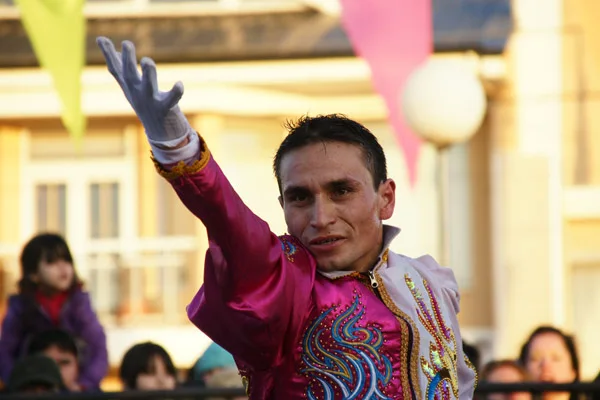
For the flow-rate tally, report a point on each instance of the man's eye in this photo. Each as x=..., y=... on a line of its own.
x=342, y=191
x=297, y=198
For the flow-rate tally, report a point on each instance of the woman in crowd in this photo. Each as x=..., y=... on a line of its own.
x=549, y=355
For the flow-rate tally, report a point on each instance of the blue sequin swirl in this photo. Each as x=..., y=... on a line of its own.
x=345, y=358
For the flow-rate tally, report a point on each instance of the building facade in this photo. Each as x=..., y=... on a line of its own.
x=524, y=203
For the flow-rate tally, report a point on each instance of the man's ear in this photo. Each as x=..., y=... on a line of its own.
x=387, y=199
x=280, y=198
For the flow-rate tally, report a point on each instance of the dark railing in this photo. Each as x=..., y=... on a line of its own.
x=582, y=390
x=589, y=391
x=178, y=394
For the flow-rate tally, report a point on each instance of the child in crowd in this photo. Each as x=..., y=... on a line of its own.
x=147, y=366
x=60, y=346
x=51, y=296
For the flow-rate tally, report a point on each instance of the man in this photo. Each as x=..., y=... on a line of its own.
x=327, y=312
x=60, y=346
x=35, y=374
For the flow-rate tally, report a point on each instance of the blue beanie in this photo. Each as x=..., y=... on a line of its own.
x=214, y=357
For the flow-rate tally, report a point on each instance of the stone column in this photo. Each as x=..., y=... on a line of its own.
x=10, y=175
x=525, y=176
x=10, y=203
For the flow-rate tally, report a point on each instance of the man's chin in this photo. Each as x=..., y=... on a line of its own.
x=329, y=266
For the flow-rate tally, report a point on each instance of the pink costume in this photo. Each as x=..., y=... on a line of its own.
x=297, y=333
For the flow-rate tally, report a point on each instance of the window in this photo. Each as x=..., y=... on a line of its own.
x=104, y=283
x=173, y=219
x=104, y=203
x=92, y=199
x=51, y=208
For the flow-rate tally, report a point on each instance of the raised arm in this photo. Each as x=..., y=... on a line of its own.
x=257, y=286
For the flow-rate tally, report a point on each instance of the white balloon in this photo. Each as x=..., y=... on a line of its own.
x=443, y=102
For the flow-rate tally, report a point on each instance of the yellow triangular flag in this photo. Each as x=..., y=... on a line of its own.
x=56, y=30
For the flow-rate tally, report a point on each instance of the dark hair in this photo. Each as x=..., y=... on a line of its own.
x=53, y=337
x=47, y=247
x=568, y=340
x=472, y=354
x=332, y=128
x=140, y=360
x=490, y=367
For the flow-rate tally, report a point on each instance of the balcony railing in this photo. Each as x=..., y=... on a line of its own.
x=146, y=281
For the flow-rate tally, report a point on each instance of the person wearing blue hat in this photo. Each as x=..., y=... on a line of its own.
x=213, y=360
x=216, y=368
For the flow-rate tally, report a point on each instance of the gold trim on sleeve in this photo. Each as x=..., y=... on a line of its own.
x=181, y=168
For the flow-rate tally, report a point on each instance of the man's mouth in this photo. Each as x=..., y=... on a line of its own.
x=325, y=240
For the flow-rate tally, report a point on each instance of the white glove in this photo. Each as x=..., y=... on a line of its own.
x=158, y=111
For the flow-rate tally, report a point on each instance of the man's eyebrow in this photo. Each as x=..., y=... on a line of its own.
x=294, y=189
x=345, y=182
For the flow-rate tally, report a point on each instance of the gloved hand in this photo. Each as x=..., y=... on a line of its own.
x=158, y=111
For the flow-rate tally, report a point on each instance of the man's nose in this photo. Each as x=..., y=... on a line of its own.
x=323, y=213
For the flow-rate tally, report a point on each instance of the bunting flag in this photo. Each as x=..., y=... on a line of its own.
x=394, y=37
x=56, y=30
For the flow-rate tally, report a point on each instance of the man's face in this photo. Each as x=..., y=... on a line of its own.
x=330, y=204
x=67, y=363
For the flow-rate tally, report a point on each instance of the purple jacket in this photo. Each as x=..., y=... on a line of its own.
x=77, y=317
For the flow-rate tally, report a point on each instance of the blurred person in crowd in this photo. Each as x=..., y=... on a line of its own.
x=298, y=310
x=225, y=378
x=550, y=355
x=34, y=374
x=216, y=368
x=472, y=354
x=505, y=371
x=51, y=296
x=147, y=366
x=214, y=360
x=60, y=346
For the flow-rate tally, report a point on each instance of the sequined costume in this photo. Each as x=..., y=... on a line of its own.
x=297, y=333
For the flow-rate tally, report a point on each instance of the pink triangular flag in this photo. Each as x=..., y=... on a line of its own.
x=393, y=36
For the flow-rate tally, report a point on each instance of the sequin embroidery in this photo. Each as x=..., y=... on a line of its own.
x=343, y=359
x=441, y=367
x=289, y=247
